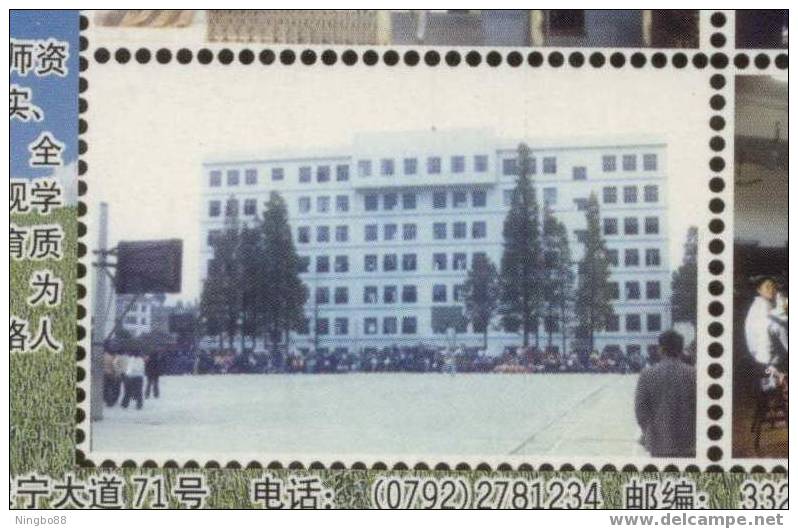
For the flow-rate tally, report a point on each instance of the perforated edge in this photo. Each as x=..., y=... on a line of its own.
x=715, y=56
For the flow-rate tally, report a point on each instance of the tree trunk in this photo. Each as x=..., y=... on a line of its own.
x=485, y=338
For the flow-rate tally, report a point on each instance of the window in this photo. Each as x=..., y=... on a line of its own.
x=652, y=290
x=389, y=201
x=390, y=262
x=651, y=193
x=632, y=290
x=581, y=236
x=653, y=322
x=612, y=257
x=458, y=164
x=386, y=167
x=630, y=226
x=613, y=323
x=342, y=173
x=408, y=201
x=371, y=202
x=458, y=293
x=433, y=165
x=649, y=162
x=303, y=234
x=610, y=226
x=459, y=199
x=439, y=199
x=323, y=173
x=610, y=195
x=439, y=293
x=215, y=179
x=409, y=325
x=304, y=204
x=609, y=163
x=342, y=203
x=370, y=232
x=322, y=295
x=250, y=206
x=613, y=290
x=550, y=196
x=509, y=166
x=631, y=257
x=459, y=261
x=389, y=325
x=322, y=234
x=322, y=204
x=370, y=325
x=342, y=326
x=364, y=168
x=480, y=163
x=629, y=162
x=304, y=264
x=251, y=177
x=409, y=294
x=322, y=326
x=389, y=294
x=579, y=173
x=439, y=261
x=214, y=208
x=389, y=232
x=652, y=257
x=370, y=295
x=507, y=197
x=213, y=236
x=341, y=265
x=231, y=208
x=459, y=230
x=232, y=177
x=652, y=225
x=479, y=230
x=630, y=194
x=370, y=263
x=409, y=262
x=581, y=204
x=409, y=232
x=439, y=230
x=549, y=165
x=304, y=175
x=341, y=295
x=410, y=166
x=633, y=323
x=278, y=174
x=479, y=198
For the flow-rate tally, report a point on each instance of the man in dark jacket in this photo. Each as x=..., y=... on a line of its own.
x=153, y=371
x=665, y=402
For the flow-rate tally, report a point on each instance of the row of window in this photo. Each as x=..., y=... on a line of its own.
x=390, y=262
x=440, y=200
x=609, y=196
x=433, y=165
x=632, y=290
x=232, y=207
x=631, y=226
x=390, y=294
x=609, y=164
x=633, y=323
x=390, y=232
x=631, y=257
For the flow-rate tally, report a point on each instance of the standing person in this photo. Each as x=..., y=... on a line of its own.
x=112, y=379
x=766, y=334
x=152, y=370
x=134, y=380
x=665, y=402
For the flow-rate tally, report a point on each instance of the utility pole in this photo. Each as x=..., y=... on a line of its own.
x=101, y=306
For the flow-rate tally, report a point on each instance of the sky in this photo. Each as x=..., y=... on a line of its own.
x=57, y=96
x=153, y=126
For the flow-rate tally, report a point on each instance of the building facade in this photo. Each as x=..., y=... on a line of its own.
x=388, y=227
x=142, y=314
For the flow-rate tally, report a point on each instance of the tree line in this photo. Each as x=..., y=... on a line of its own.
x=253, y=289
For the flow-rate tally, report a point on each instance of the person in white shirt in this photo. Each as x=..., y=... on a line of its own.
x=134, y=381
x=766, y=331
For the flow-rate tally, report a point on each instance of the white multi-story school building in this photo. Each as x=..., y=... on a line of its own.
x=388, y=227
